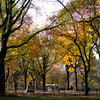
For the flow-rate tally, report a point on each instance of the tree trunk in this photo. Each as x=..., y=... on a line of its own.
x=2, y=70
x=75, y=80
x=67, y=77
x=99, y=55
x=2, y=58
x=36, y=84
x=25, y=77
x=68, y=80
x=86, y=83
x=2, y=77
x=33, y=84
x=44, y=82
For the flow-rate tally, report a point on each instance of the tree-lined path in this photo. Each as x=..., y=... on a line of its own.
x=57, y=56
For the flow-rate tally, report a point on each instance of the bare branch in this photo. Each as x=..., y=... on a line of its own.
x=21, y=21
x=7, y=74
x=22, y=9
x=92, y=19
x=49, y=68
x=66, y=9
x=39, y=63
x=15, y=3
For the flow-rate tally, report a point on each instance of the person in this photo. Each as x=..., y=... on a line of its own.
x=15, y=86
x=58, y=89
x=71, y=88
x=52, y=88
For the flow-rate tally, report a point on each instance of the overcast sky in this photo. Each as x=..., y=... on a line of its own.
x=43, y=10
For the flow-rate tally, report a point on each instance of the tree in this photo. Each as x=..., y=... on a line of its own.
x=46, y=56
x=9, y=16
x=12, y=13
x=68, y=75
x=73, y=64
x=17, y=54
x=81, y=31
x=67, y=47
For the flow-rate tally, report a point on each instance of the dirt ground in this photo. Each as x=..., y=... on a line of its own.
x=54, y=93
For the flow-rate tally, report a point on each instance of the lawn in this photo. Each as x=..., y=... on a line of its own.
x=49, y=98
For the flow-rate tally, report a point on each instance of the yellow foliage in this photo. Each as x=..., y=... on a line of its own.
x=68, y=59
x=71, y=69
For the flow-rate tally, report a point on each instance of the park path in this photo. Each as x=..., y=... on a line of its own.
x=54, y=93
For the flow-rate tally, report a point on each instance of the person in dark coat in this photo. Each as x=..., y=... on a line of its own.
x=15, y=86
x=71, y=89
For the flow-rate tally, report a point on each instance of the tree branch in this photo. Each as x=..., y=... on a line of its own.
x=22, y=9
x=21, y=21
x=66, y=9
x=47, y=28
x=7, y=74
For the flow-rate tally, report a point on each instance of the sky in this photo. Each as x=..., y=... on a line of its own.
x=43, y=10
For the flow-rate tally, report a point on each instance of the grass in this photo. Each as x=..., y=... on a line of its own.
x=49, y=98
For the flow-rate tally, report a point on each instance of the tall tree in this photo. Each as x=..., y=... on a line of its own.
x=9, y=15
x=12, y=13
x=83, y=29
x=68, y=76
x=46, y=56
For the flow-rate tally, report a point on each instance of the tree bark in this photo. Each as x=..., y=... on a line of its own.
x=2, y=67
x=33, y=83
x=2, y=77
x=86, y=84
x=75, y=79
x=2, y=70
x=68, y=80
x=44, y=82
x=67, y=77
x=99, y=55
x=25, y=77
